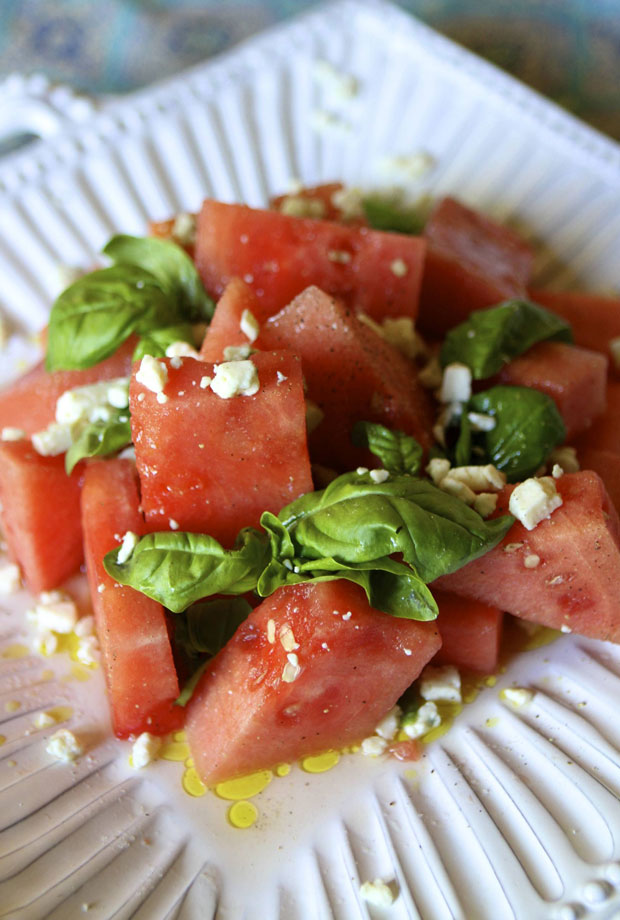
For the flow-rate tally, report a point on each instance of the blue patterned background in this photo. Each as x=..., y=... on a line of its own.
x=567, y=49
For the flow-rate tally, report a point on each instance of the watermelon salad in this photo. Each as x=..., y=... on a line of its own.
x=311, y=458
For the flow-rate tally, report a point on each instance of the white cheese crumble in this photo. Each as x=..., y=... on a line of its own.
x=485, y=503
x=249, y=325
x=144, y=750
x=557, y=472
x=374, y=746
x=389, y=724
x=10, y=578
x=128, y=544
x=63, y=745
x=399, y=268
x=90, y=403
x=280, y=377
x=205, y=382
x=340, y=86
x=516, y=696
x=531, y=561
x=379, y=476
x=481, y=422
x=443, y=683
x=377, y=893
x=45, y=643
x=152, y=374
x=235, y=378
x=181, y=349
x=479, y=478
x=409, y=166
x=85, y=626
x=438, y=468
x=534, y=500
x=302, y=206
x=53, y=440
x=86, y=652
x=44, y=720
x=184, y=229
x=349, y=202
x=455, y=383
x=12, y=434
x=237, y=352
x=424, y=720
x=287, y=638
x=55, y=612
x=291, y=670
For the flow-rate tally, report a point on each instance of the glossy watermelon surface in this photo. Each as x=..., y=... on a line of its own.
x=213, y=465
x=225, y=328
x=470, y=633
x=135, y=649
x=575, y=584
x=354, y=662
x=278, y=256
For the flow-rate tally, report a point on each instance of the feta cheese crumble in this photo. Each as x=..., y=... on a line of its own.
x=152, y=374
x=516, y=696
x=378, y=893
x=237, y=352
x=44, y=720
x=181, y=350
x=235, y=378
x=417, y=724
x=55, y=612
x=184, y=229
x=12, y=434
x=389, y=724
x=534, y=501
x=63, y=745
x=249, y=325
x=442, y=683
x=399, y=268
x=128, y=544
x=455, y=384
x=10, y=578
x=53, y=440
x=144, y=750
x=379, y=476
x=374, y=746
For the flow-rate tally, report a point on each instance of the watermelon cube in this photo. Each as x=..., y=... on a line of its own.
x=472, y=263
x=574, y=378
x=607, y=465
x=212, y=465
x=314, y=667
x=225, y=329
x=595, y=318
x=470, y=633
x=564, y=573
x=351, y=374
x=278, y=256
x=135, y=648
x=40, y=514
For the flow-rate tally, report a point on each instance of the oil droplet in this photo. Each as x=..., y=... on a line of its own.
x=190, y=762
x=244, y=787
x=490, y=681
x=192, y=783
x=283, y=769
x=60, y=713
x=79, y=672
x=242, y=814
x=491, y=723
x=321, y=762
x=411, y=774
x=175, y=750
x=16, y=651
x=12, y=705
x=448, y=712
x=2, y=739
x=179, y=736
x=543, y=636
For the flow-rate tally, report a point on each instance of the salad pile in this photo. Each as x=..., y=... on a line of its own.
x=310, y=454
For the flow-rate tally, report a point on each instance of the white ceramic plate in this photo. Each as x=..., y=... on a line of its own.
x=512, y=814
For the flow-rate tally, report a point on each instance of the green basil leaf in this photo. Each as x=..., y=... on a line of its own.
x=383, y=213
x=172, y=267
x=397, y=451
x=355, y=520
x=490, y=338
x=101, y=438
x=528, y=427
x=206, y=627
x=190, y=685
x=177, y=569
x=157, y=341
x=95, y=314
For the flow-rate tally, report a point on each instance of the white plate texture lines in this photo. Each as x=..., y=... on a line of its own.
x=514, y=813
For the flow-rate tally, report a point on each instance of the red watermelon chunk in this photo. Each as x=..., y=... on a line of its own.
x=470, y=633
x=575, y=585
x=574, y=378
x=213, y=465
x=604, y=434
x=595, y=318
x=244, y=716
x=351, y=374
x=472, y=263
x=40, y=514
x=225, y=327
x=133, y=635
x=30, y=402
x=607, y=465
x=278, y=256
